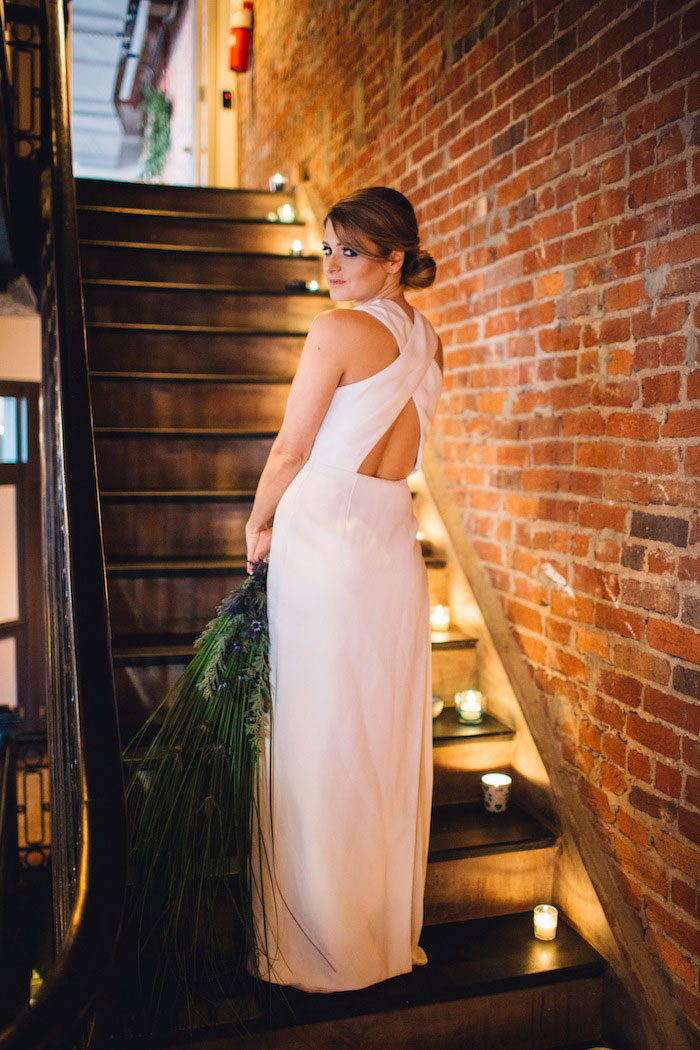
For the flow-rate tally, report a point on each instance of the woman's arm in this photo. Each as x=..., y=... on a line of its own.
x=320, y=369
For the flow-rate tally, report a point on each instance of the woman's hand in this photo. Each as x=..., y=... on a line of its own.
x=258, y=542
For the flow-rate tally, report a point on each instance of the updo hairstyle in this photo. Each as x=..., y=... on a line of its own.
x=385, y=217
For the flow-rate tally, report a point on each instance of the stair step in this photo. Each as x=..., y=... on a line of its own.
x=162, y=303
x=184, y=348
x=180, y=651
x=177, y=262
x=165, y=403
x=173, y=525
x=193, y=377
x=469, y=830
x=143, y=568
x=239, y=203
x=488, y=983
x=447, y=728
x=198, y=228
x=181, y=460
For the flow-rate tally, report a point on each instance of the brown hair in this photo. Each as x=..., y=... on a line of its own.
x=385, y=217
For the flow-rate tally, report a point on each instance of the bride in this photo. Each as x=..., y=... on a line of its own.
x=344, y=796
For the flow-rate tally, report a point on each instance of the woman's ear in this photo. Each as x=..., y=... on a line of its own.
x=394, y=261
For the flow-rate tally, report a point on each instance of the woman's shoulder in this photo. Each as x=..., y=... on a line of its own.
x=344, y=325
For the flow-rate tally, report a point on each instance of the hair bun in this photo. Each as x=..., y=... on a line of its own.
x=418, y=269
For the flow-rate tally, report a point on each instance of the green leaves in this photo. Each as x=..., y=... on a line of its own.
x=192, y=795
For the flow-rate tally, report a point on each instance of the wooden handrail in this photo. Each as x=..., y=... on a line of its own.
x=87, y=800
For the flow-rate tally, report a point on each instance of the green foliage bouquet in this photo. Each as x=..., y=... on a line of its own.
x=192, y=799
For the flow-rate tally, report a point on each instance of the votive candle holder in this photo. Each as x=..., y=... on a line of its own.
x=440, y=617
x=495, y=789
x=545, y=917
x=469, y=705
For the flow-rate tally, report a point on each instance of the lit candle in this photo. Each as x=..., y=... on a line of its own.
x=495, y=788
x=277, y=182
x=469, y=706
x=440, y=617
x=312, y=286
x=545, y=920
x=272, y=216
x=420, y=536
x=438, y=704
x=297, y=248
x=286, y=213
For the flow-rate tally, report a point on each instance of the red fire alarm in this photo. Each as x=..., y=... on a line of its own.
x=240, y=33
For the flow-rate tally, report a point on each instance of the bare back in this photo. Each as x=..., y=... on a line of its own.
x=375, y=348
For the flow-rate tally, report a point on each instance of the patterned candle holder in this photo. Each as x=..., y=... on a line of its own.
x=470, y=707
x=545, y=917
x=495, y=788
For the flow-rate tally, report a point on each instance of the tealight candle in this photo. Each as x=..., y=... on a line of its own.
x=277, y=182
x=286, y=213
x=420, y=536
x=312, y=286
x=495, y=788
x=440, y=617
x=545, y=920
x=438, y=704
x=469, y=706
x=272, y=216
x=297, y=248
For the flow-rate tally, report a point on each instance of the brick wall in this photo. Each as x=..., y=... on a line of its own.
x=551, y=150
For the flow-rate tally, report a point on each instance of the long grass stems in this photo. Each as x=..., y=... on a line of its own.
x=192, y=797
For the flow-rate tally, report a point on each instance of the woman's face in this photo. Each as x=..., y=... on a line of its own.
x=352, y=276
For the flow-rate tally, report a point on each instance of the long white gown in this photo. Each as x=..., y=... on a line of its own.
x=346, y=785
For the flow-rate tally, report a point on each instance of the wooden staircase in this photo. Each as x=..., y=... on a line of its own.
x=193, y=337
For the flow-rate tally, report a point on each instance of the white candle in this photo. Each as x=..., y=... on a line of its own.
x=469, y=706
x=495, y=788
x=277, y=182
x=297, y=248
x=440, y=617
x=286, y=213
x=312, y=286
x=545, y=921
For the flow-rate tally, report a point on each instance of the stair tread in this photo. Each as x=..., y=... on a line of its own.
x=161, y=213
x=466, y=829
x=177, y=495
x=193, y=377
x=193, y=286
x=173, y=566
x=196, y=329
x=447, y=727
x=190, y=431
x=178, y=649
x=193, y=249
x=475, y=957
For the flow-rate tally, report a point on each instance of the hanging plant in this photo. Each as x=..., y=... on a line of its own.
x=157, y=110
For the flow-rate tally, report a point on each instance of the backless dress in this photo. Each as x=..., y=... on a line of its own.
x=345, y=789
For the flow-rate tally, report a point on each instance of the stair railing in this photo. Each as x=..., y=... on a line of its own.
x=88, y=822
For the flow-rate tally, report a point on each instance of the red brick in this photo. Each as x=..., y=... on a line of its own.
x=671, y=709
x=663, y=389
x=675, y=640
x=657, y=184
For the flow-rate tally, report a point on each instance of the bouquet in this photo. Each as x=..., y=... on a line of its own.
x=192, y=798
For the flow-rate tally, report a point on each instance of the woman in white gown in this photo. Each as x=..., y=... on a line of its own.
x=346, y=780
